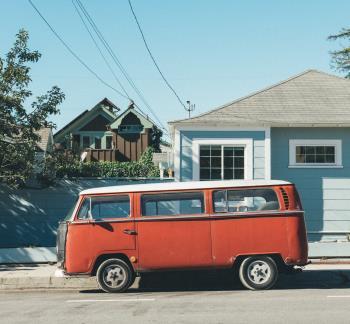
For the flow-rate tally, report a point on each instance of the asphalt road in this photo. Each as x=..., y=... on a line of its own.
x=200, y=297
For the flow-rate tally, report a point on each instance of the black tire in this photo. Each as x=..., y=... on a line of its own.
x=258, y=272
x=115, y=276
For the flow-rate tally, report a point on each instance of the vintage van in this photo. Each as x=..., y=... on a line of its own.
x=116, y=233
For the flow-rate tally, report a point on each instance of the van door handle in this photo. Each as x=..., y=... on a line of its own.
x=129, y=232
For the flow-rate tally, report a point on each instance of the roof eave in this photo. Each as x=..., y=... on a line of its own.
x=247, y=125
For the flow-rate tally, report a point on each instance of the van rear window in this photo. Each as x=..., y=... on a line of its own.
x=245, y=200
x=172, y=204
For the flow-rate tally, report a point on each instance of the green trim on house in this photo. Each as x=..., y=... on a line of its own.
x=84, y=118
x=144, y=121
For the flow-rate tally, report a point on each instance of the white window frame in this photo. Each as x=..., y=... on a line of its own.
x=247, y=143
x=337, y=143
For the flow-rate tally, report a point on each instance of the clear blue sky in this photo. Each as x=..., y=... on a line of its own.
x=211, y=51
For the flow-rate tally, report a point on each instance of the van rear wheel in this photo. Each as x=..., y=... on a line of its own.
x=115, y=276
x=258, y=272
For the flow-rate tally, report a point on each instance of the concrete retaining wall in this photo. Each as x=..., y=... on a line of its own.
x=29, y=217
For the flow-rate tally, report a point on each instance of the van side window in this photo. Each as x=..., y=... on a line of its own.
x=245, y=200
x=173, y=204
x=84, y=209
x=104, y=207
x=110, y=207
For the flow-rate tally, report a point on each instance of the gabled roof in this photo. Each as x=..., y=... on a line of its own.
x=63, y=129
x=107, y=102
x=46, y=141
x=312, y=98
x=44, y=144
x=102, y=106
x=144, y=121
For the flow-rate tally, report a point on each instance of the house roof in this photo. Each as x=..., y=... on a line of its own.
x=87, y=115
x=312, y=98
x=71, y=123
x=144, y=120
x=107, y=102
x=45, y=141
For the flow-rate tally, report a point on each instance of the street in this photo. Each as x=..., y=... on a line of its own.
x=192, y=297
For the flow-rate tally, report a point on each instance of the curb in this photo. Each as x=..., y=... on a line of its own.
x=330, y=261
x=38, y=277
x=22, y=283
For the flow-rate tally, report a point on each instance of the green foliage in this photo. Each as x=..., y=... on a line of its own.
x=156, y=138
x=68, y=166
x=18, y=126
x=341, y=58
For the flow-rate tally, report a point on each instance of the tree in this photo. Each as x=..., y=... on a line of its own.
x=18, y=126
x=341, y=58
x=156, y=138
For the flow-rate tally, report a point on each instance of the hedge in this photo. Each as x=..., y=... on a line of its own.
x=69, y=168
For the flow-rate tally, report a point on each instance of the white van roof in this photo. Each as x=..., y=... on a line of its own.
x=188, y=185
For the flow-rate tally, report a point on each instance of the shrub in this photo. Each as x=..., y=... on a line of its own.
x=70, y=166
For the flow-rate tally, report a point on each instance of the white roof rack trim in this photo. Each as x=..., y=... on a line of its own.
x=188, y=185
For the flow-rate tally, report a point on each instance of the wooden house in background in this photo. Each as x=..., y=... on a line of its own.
x=101, y=134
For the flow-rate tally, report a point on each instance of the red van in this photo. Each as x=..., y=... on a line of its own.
x=116, y=233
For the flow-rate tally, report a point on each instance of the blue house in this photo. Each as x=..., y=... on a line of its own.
x=296, y=130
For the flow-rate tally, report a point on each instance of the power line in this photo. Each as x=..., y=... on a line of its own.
x=117, y=61
x=152, y=57
x=104, y=58
x=73, y=53
x=84, y=64
x=99, y=49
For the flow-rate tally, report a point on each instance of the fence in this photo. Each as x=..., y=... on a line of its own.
x=29, y=217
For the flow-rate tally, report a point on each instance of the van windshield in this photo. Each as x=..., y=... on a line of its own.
x=70, y=211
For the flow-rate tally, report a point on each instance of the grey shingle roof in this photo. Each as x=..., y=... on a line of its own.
x=310, y=98
x=45, y=133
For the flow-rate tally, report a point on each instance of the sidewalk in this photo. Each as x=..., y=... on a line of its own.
x=40, y=277
x=43, y=276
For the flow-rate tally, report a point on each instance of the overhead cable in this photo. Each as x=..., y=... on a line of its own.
x=153, y=59
x=73, y=53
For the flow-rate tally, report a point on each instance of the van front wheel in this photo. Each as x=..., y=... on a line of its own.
x=258, y=272
x=115, y=276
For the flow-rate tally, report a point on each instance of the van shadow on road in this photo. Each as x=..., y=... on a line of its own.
x=224, y=280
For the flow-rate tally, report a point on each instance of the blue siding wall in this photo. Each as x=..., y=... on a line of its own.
x=186, y=137
x=325, y=192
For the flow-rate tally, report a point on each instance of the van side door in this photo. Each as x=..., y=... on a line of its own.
x=173, y=230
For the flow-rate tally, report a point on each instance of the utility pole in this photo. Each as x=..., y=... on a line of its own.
x=191, y=107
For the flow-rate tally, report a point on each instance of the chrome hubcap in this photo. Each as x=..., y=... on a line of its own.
x=114, y=276
x=259, y=272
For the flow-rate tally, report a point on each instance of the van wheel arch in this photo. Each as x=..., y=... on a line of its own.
x=281, y=266
x=103, y=257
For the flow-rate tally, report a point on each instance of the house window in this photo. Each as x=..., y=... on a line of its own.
x=97, y=143
x=108, y=142
x=315, y=153
x=125, y=129
x=217, y=162
x=86, y=142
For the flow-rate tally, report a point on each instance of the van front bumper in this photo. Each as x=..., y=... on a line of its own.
x=59, y=273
